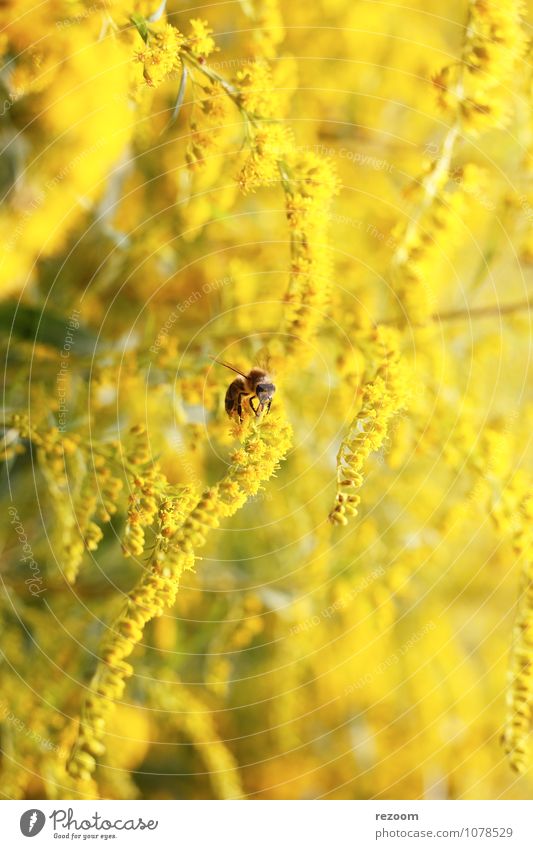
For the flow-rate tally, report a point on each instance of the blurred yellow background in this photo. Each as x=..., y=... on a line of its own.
x=342, y=193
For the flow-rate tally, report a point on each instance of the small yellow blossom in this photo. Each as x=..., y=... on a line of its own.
x=265, y=446
x=517, y=730
x=269, y=144
x=256, y=90
x=495, y=44
x=200, y=40
x=160, y=56
x=383, y=397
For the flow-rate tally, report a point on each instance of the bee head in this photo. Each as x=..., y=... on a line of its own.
x=264, y=392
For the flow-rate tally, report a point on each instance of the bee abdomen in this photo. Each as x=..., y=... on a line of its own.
x=235, y=389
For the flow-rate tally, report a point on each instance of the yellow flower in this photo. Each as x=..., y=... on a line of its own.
x=206, y=129
x=310, y=184
x=159, y=57
x=200, y=39
x=517, y=730
x=256, y=90
x=383, y=396
x=266, y=444
x=268, y=145
x=476, y=88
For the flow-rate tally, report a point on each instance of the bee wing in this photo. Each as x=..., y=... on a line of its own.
x=228, y=365
x=264, y=360
x=268, y=363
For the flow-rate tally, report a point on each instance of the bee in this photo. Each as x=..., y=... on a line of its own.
x=256, y=386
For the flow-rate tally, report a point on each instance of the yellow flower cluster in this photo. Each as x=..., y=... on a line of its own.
x=146, y=486
x=478, y=89
x=309, y=182
x=435, y=230
x=152, y=498
x=270, y=143
x=382, y=398
x=212, y=109
x=147, y=600
x=517, y=731
x=200, y=41
x=266, y=444
x=311, y=185
x=475, y=93
x=160, y=57
x=269, y=139
x=255, y=90
x=82, y=486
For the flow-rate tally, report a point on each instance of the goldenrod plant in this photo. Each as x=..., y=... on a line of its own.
x=322, y=588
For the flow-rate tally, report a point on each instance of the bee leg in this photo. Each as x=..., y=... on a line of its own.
x=254, y=410
x=269, y=406
x=239, y=407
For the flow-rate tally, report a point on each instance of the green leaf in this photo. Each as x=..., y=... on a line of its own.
x=44, y=327
x=181, y=95
x=141, y=26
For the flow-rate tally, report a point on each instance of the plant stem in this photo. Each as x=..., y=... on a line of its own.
x=471, y=312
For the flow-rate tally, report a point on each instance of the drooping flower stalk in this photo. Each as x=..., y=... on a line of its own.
x=517, y=728
x=383, y=396
x=266, y=443
x=473, y=92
